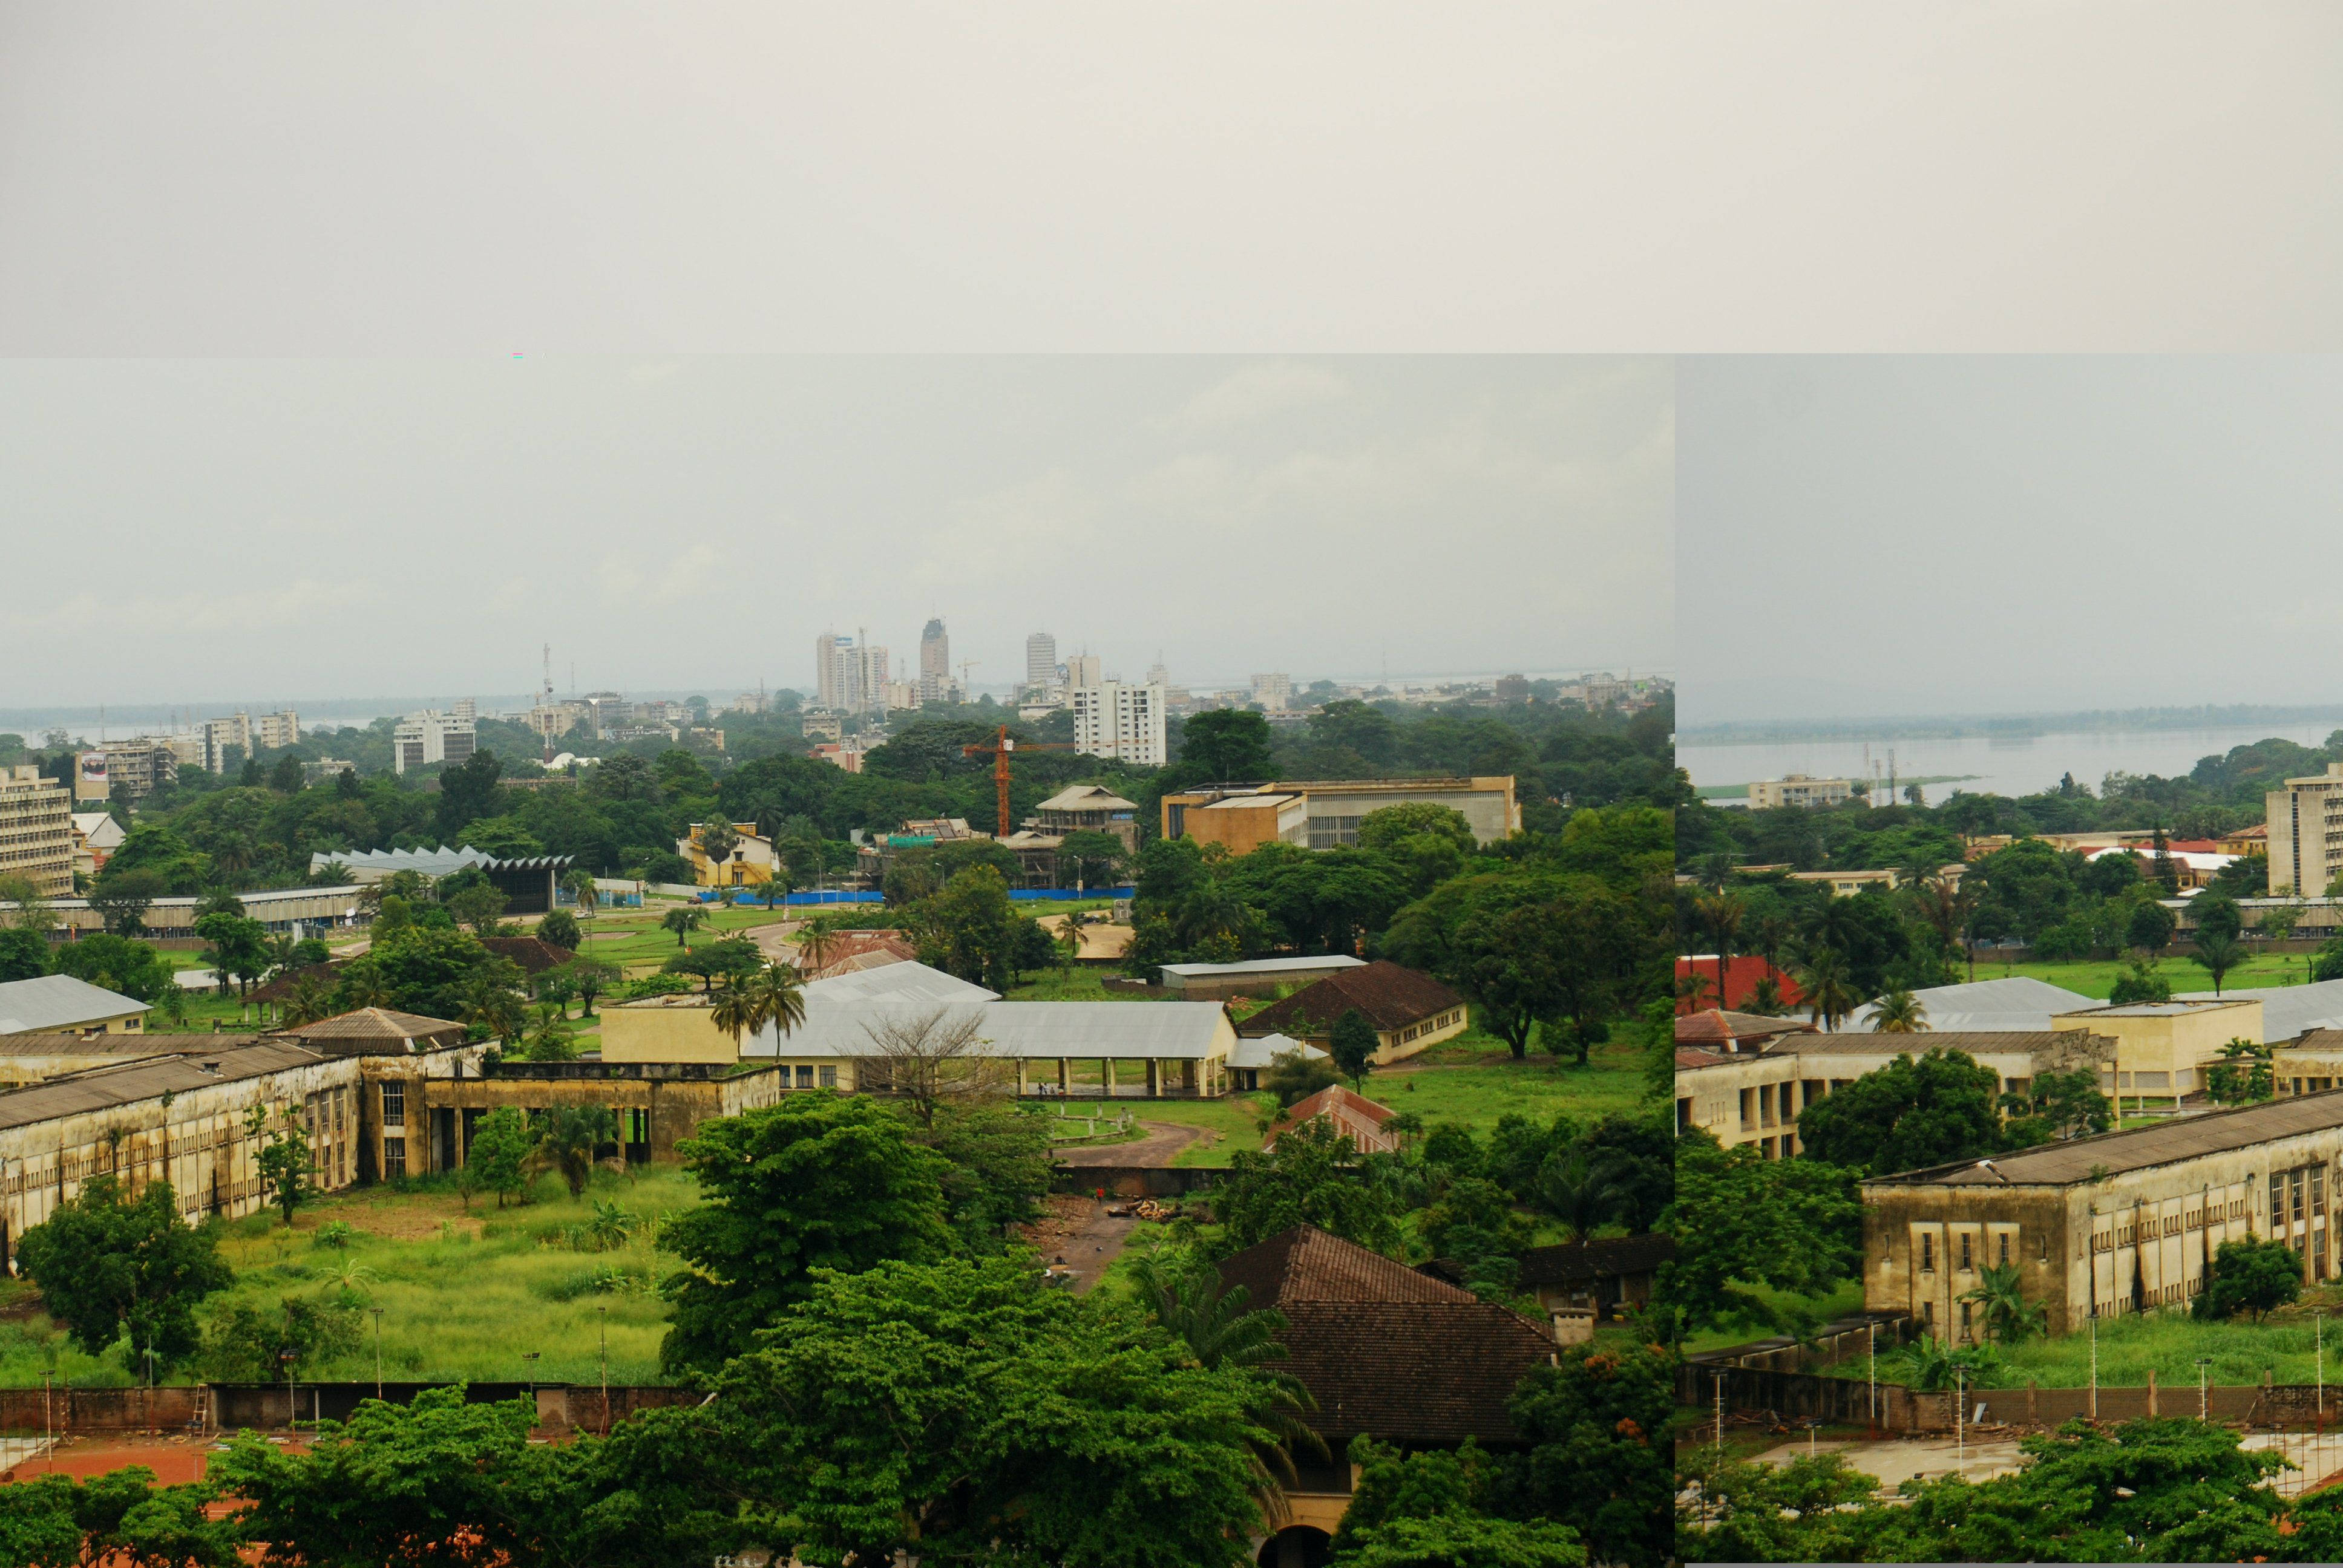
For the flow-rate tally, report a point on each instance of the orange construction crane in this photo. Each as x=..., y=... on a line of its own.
x=999, y=751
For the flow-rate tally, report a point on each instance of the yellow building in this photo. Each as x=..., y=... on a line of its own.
x=61, y=1002
x=2162, y=1048
x=1324, y=814
x=36, y=830
x=750, y=863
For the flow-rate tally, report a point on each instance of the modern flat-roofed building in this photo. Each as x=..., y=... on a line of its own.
x=429, y=738
x=36, y=830
x=1325, y=814
x=2120, y=1223
x=1798, y=790
x=139, y=765
x=1119, y=720
x=2304, y=830
x=1251, y=977
x=1040, y=660
x=2162, y=1048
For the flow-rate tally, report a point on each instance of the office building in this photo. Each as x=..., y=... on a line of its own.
x=1041, y=660
x=1120, y=720
x=1798, y=789
x=430, y=738
x=935, y=682
x=36, y=830
x=849, y=675
x=1325, y=814
x=2306, y=833
x=1274, y=692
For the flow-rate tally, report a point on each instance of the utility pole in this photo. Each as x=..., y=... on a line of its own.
x=1960, y=1432
x=1871, y=1400
x=2202, y=1363
x=604, y=1314
x=1720, y=1415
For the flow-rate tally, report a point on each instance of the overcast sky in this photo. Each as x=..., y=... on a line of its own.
x=203, y=532
x=280, y=176
x=1904, y=536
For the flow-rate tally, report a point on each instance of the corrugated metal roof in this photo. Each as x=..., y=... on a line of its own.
x=1976, y=1043
x=1263, y=1051
x=1263, y=967
x=2287, y=1009
x=842, y=1010
x=59, y=1001
x=2113, y=1153
x=2018, y=998
x=101, y=1088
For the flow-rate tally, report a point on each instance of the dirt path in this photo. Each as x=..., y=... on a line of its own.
x=1078, y=1237
x=1162, y=1143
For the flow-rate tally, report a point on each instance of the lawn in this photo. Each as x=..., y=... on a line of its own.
x=2287, y=1347
x=2097, y=977
x=463, y=1295
x=1843, y=1301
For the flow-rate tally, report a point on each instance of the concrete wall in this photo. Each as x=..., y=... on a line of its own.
x=1135, y=1181
x=665, y=1030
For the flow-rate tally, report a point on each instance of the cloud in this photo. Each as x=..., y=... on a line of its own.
x=695, y=574
x=1258, y=391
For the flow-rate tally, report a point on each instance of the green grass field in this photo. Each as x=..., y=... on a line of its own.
x=1843, y=1301
x=2097, y=977
x=463, y=1295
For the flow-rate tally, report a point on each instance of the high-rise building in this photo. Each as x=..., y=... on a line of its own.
x=36, y=830
x=428, y=737
x=1121, y=720
x=274, y=731
x=218, y=736
x=935, y=663
x=1082, y=670
x=849, y=674
x=829, y=671
x=1041, y=660
x=139, y=765
x=1273, y=692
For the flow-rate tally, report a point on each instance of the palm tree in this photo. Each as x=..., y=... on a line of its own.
x=572, y=1133
x=1580, y=1193
x=1764, y=998
x=686, y=918
x=580, y=883
x=280, y=953
x=492, y=1009
x=1068, y=943
x=735, y=1009
x=311, y=999
x=717, y=840
x=2220, y=953
x=1722, y=913
x=1898, y=1011
x=1829, y=987
x=776, y=998
x=815, y=944
x=1182, y=1292
x=363, y=986
x=332, y=874
x=1949, y=907
x=2007, y=1318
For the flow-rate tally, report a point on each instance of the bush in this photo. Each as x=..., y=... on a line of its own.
x=246, y=1344
x=601, y=1279
x=561, y=928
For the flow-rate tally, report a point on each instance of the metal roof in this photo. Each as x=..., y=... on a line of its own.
x=2287, y=1009
x=1977, y=1043
x=1087, y=797
x=1263, y=967
x=2175, y=1009
x=59, y=1001
x=841, y=1011
x=440, y=863
x=1263, y=1051
x=103, y=1088
x=2025, y=1003
x=2113, y=1153
x=837, y=1007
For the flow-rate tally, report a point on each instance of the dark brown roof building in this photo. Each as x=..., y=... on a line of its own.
x=535, y=955
x=1714, y=1029
x=1384, y=1350
x=1409, y=1009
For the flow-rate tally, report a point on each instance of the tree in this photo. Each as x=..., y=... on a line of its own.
x=2149, y=927
x=116, y=964
x=52, y=1521
x=1352, y=1043
x=1598, y=1423
x=2140, y=982
x=23, y=907
x=2219, y=954
x=238, y=946
x=2216, y=914
x=2250, y=1274
x=550, y=1038
x=283, y=1159
x=480, y=907
x=933, y=1056
x=967, y=927
x=592, y=976
x=733, y=1010
x=2000, y=1295
x=24, y=954
x=311, y=999
x=1828, y=987
x=1388, y=827
x=1899, y=1012
x=492, y=1009
x=1312, y=1175
x=2242, y=1075
x=2058, y=1105
x=499, y=1152
x=1911, y=1113
x=1096, y=857
x=1430, y=1509
x=1723, y=914
x=1000, y=1167
x=467, y=793
x=106, y=1265
x=815, y=1182
x=727, y=957
x=1294, y=1075
x=1741, y=1221
x=560, y=927
x=1226, y=746
x=579, y=885
x=683, y=919
x=122, y=900
x=571, y=1137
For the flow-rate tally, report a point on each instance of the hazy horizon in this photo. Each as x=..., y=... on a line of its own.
x=291, y=530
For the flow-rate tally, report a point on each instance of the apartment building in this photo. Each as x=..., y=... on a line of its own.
x=1122, y=720
x=432, y=737
x=1273, y=691
x=849, y=675
x=1798, y=789
x=138, y=766
x=36, y=830
x=274, y=731
x=2306, y=833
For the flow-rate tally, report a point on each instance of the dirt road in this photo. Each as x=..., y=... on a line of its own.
x=1161, y=1145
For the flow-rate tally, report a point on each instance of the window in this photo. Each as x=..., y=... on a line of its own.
x=1966, y=1263
x=394, y=1105
x=2005, y=1248
x=805, y=1077
x=394, y=1156
x=1965, y=1321
x=1927, y=1253
x=830, y=1078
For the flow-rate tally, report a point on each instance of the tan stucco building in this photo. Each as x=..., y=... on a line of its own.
x=1325, y=814
x=2162, y=1048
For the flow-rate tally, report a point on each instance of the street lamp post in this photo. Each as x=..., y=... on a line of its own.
x=377, y=1350
x=1960, y=1432
x=2203, y=1362
x=2095, y=1361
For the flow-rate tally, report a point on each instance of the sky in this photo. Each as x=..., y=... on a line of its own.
x=477, y=177
x=1903, y=537
x=280, y=531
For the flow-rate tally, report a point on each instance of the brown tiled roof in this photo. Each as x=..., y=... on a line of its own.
x=1391, y=996
x=1575, y=1261
x=67, y=1042
x=202, y=1063
x=1687, y=1059
x=1716, y=1026
x=1703, y=1029
x=535, y=955
x=371, y=1030
x=1384, y=1350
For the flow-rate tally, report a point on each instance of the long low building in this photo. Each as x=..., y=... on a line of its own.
x=1253, y=977
x=2121, y=1222
x=61, y=1003
x=281, y=910
x=1147, y=1049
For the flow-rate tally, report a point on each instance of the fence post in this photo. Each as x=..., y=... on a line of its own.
x=2151, y=1392
x=2033, y=1403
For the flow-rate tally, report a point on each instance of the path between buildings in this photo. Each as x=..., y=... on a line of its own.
x=1161, y=1145
x=1895, y=1461
x=1078, y=1237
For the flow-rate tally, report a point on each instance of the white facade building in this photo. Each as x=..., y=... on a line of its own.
x=1041, y=660
x=1274, y=692
x=1119, y=720
x=429, y=737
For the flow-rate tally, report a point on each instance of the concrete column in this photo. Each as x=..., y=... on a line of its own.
x=1020, y=1078
x=1107, y=1075
x=1065, y=1076
x=1154, y=1079
x=2151, y=1391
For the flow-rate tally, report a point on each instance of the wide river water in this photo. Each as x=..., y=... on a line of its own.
x=2017, y=766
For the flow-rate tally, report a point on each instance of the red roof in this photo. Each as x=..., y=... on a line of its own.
x=1742, y=974
x=1362, y=1118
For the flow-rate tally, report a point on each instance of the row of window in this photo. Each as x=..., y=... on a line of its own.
x=806, y=1079
x=1430, y=1026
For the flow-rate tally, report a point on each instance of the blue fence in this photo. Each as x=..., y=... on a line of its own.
x=750, y=894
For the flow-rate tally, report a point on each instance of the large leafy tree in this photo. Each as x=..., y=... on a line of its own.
x=814, y=1183
x=1227, y=746
x=1600, y=1459
x=1741, y=1221
x=1313, y=1176
x=2251, y=1274
x=1913, y=1112
x=107, y=1265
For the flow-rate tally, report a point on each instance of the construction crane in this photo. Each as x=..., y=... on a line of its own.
x=999, y=749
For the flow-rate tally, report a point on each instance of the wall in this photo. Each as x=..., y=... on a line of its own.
x=653, y=1032
x=1135, y=1181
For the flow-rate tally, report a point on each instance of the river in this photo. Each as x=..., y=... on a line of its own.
x=2020, y=765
